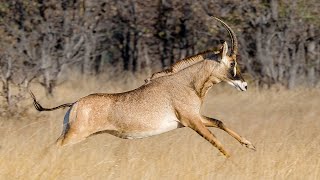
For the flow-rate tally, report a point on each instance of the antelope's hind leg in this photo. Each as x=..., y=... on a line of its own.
x=70, y=135
x=65, y=128
x=211, y=122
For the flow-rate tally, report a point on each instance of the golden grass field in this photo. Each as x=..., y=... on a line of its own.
x=283, y=125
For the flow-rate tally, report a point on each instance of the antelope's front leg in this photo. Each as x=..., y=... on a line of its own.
x=196, y=124
x=211, y=122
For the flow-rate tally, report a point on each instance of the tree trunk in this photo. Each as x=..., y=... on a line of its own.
x=6, y=91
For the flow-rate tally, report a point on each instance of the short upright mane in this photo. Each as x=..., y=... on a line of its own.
x=184, y=63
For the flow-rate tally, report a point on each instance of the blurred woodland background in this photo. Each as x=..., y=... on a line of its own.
x=47, y=41
x=65, y=49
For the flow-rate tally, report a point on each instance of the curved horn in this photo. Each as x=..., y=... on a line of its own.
x=234, y=40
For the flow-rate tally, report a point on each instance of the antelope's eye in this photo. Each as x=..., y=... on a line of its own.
x=232, y=64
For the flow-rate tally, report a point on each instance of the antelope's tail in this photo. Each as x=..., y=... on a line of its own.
x=40, y=108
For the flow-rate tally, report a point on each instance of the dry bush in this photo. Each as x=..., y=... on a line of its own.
x=284, y=126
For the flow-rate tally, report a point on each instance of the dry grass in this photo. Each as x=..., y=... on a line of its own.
x=283, y=125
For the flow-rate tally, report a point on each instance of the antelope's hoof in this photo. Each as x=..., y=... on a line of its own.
x=248, y=144
x=227, y=155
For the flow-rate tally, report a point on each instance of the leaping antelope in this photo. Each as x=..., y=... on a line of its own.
x=171, y=99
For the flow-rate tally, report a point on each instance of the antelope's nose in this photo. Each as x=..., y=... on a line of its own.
x=244, y=86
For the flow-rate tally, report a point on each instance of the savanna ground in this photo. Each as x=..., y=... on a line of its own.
x=283, y=125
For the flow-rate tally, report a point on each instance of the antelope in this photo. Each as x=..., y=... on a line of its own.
x=169, y=100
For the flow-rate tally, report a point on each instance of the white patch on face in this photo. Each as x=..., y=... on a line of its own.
x=234, y=71
x=240, y=85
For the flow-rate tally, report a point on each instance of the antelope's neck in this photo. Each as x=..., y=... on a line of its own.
x=203, y=80
x=199, y=78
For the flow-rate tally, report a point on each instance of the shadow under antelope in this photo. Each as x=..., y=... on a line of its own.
x=169, y=100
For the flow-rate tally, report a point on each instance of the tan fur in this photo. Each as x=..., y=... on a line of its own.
x=151, y=108
x=163, y=104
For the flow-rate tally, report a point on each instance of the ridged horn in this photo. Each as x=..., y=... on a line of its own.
x=234, y=41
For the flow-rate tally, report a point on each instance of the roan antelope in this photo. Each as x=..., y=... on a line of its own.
x=169, y=100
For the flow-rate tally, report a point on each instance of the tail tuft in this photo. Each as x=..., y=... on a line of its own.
x=38, y=106
x=35, y=102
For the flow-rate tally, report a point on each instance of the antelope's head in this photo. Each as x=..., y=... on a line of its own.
x=227, y=68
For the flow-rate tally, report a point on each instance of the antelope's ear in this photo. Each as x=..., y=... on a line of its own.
x=224, y=49
x=224, y=56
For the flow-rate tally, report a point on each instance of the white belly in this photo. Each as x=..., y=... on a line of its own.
x=164, y=127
